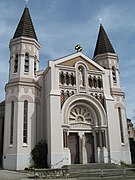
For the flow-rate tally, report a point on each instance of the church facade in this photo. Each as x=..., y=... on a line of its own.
x=76, y=104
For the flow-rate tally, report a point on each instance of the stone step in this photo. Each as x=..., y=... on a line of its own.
x=93, y=169
x=79, y=167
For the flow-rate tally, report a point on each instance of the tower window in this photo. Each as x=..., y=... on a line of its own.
x=121, y=127
x=26, y=65
x=12, y=122
x=114, y=74
x=16, y=64
x=35, y=65
x=25, y=122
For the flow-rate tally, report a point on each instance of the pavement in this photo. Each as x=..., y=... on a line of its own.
x=13, y=175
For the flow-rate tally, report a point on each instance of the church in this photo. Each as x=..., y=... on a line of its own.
x=76, y=104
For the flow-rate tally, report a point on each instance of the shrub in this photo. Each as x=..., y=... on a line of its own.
x=39, y=154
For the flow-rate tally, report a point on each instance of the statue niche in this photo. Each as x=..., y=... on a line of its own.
x=81, y=76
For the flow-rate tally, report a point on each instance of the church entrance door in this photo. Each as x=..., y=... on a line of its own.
x=89, y=144
x=73, y=144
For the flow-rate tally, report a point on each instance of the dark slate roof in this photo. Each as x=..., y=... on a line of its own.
x=103, y=44
x=25, y=27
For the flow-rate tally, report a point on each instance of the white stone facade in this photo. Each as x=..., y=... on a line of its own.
x=76, y=105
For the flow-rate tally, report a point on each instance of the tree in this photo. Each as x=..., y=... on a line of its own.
x=39, y=154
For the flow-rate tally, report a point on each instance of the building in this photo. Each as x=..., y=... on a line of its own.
x=131, y=136
x=131, y=129
x=76, y=104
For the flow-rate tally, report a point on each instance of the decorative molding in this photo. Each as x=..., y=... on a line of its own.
x=81, y=126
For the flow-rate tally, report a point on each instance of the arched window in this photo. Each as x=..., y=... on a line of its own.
x=101, y=99
x=62, y=78
x=12, y=122
x=114, y=74
x=25, y=122
x=72, y=79
x=95, y=82
x=26, y=65
x=62, y=98
x=72, y=93
x=67, y=95
x=90, y=81
x=67, y=79
x=96, y=96
x=16, y=64
x=100, y=84
x=121, y=126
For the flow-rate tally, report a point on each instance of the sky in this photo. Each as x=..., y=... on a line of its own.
x=62, y=24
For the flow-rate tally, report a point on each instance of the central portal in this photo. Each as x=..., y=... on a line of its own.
x=73, y=143
x=75, y=146
x=89, y=144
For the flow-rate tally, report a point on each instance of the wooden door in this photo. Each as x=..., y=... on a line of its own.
x=89, y=144
x=73, y=144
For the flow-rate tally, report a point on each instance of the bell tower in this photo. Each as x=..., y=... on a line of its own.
x=106, y=57
x=22, y=96
x=24, y=50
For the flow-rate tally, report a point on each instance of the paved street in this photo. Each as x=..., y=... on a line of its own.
x=12, y=175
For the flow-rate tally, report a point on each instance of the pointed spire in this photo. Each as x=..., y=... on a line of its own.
x=25, y=27
x=103, y=44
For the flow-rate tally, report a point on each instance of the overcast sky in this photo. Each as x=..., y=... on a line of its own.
x=61, y=24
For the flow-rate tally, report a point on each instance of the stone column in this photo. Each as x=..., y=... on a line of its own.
x=98, y=154
x=105, y=154
x=84, y=153
x=82, y=148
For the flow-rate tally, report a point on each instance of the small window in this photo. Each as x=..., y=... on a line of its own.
x=16, y=64
x=25, y=122
x=26, y=65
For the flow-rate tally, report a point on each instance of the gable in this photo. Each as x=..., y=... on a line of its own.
x=73, y=61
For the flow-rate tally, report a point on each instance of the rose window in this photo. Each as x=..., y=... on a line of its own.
x=80, y=114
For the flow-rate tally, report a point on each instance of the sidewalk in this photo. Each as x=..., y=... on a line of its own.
x=13, y=175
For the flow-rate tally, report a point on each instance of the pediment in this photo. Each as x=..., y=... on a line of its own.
x=71, y=60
